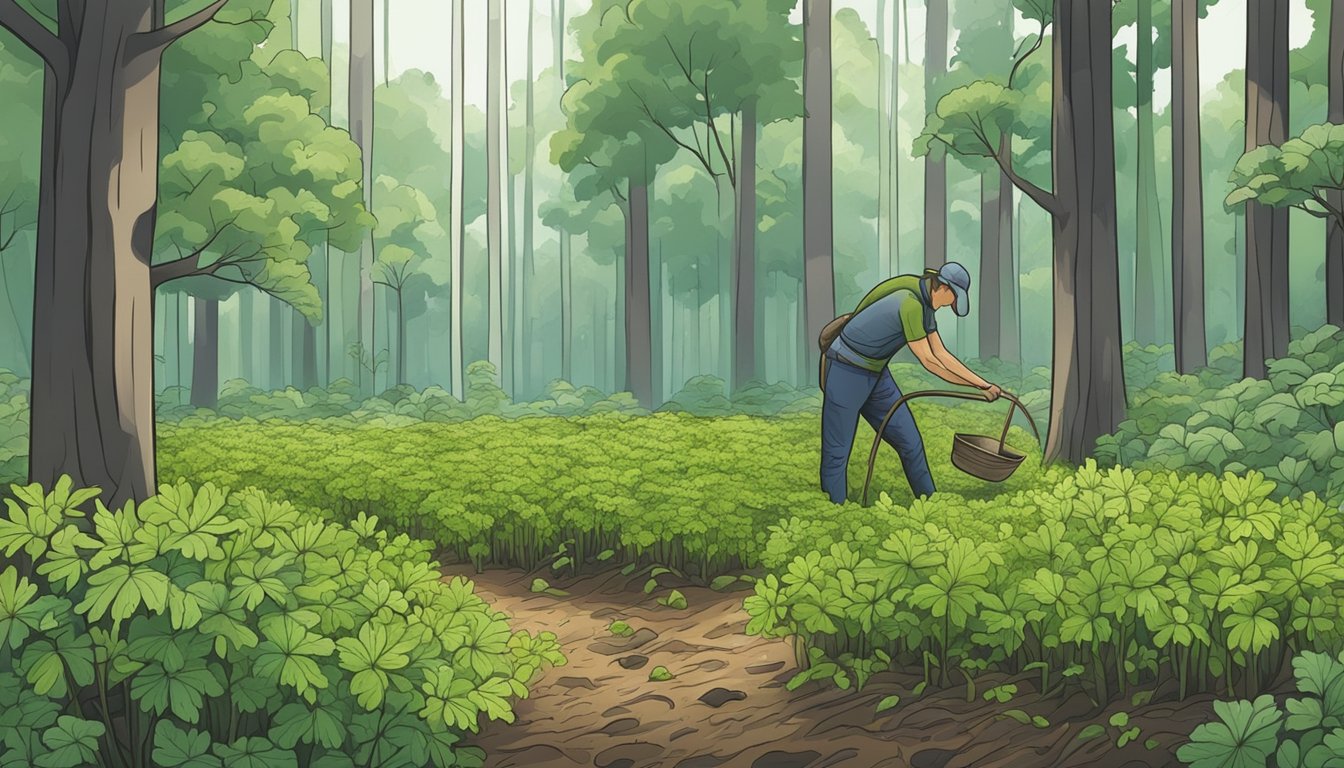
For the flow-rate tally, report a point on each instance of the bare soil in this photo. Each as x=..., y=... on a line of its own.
x=728, y=706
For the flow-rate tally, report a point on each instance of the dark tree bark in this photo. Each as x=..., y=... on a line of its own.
x=818, y=256
x=744, y=257
x=1087, y=397
x=935, y=165
x=1010, y=340
x=1187, y=233
x=205, y=354
x=93, y=367
x=1266, y=228
x=1334, y=250
x=362, y=76
x=1149, y=288
x=638, y=314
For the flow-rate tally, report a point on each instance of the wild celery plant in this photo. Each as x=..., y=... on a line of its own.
x=1307, y=732
x=202, y=629
x=1106, y=578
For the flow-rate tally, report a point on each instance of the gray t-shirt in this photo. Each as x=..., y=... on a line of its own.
x=880, y=330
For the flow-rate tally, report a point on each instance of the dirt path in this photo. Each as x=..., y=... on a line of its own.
x=728, y=706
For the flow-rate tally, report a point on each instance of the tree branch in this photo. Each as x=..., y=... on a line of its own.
x=154, y=41
x=176, y=269
x=1004, y=157
x=33, y=34
x=704, y=161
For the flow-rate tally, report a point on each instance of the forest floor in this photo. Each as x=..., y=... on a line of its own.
x=728, y=706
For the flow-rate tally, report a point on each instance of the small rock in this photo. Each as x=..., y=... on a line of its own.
x=719, y=696
x=613, y=711
x=576, y=682
x=620, y=726
x=765, y=669
x=780, y=759
x=701, y=761
x=712, y=665
x=633, y=661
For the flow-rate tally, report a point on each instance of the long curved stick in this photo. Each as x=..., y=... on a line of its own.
x=877, y=439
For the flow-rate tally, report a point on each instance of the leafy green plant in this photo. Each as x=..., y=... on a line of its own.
x=620, y=629
x=659, y=674
x=208, y=628
x=1307, y=732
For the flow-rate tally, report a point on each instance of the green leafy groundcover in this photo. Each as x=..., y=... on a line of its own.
x=1307, y=732
x=203, y=629
x=1104, y=578
x=683, y=491
x=1290, y=426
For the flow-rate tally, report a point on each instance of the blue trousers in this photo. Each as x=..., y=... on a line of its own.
x=852, y=392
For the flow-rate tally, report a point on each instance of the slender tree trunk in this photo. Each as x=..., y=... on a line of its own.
x=935, y=165
x=497, y=174
x=1187, y=234
x=275, y=344
x=638, y=315
x=989, y=312
x=308, y=359
x=1334, y=249
x=93, y=367
x=456, y=191
x=401, y=338
x=327, y=19
x=205, y=354
x=659, y=321
x=296, y=378
x=529, y=270
x=1010, y=348
x=1087, y=398
x=1149, y=289
x=362, y=75
x=818, y=257
x=387, y=41
x=566, y=270
x=744, y=260
x=885, y=158
x=1266, y=227
x=894, y=152
x=246, y=342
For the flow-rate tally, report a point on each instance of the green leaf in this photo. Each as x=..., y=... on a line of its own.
x=1091, y=732
x=253, y=752
x=620, y=629
x=289, y=655
x=888, y=702
x=176, y=748
x=121, y=589
x=72, y=742
x=1244, y=735
x=659, y=674
x=296, y=723
x=674, y=600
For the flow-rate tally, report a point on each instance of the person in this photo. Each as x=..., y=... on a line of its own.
x=857, y=382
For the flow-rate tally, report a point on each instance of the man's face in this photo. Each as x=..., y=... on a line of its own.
x=942, y=297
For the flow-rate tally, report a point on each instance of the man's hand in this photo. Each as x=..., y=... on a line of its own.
x=992, y=392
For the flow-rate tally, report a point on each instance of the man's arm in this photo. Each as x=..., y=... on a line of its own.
x=947, y=367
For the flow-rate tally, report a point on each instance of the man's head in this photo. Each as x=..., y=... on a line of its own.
x=950, y=287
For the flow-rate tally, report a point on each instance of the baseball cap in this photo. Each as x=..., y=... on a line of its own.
x=955, y=276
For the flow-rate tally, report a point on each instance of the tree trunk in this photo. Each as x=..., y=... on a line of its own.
x=935, y=165
x=456, y=191
x=1266, y=228
x=818, y=258
x=308, y=360
x=275, y=344
x=362, y=75
x=885, y=156
x=1187, y=233
x=93, y=368
x=205, y=354
x=1149, y=291
x=326, y=20
x=496, y=172
x=1087, y=398
x=246, y=342
x=296, y=326
x=401, y=338
x=638, y=315
x=387, y=41
x=744, y=258
x=894, y=153
x=566, y=311
x=1010, y=342
x=1334, y=249
x=529, y=269
x=989, y=313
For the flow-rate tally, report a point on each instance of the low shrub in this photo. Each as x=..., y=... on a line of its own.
x=1109, y=576
x=203, y=629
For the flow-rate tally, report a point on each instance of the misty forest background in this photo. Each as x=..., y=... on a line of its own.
x=562, y=288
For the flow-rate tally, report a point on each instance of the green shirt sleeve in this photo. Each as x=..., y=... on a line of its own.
x=912, y=319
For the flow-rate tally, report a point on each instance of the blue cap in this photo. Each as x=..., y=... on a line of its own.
x=955, y=276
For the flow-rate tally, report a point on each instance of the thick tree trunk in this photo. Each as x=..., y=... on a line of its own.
x=935, y=165
x=496, y=173
x=362, y=76
x=92, y=381
x=1266, y=228
x=989, y=313
x=1334, y=249
x=818, y=257
x=1150, y=291
x=1088, y=388
x=638, y=315
x=744, y=258
x=456, y=191
x=1187, y=234
x=205, y=354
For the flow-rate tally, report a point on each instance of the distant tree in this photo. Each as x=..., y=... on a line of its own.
x=362, y=76
x=935, y=162
x=407, y=229
x=1187, y=234
x=818, y=215
x=497, y=172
